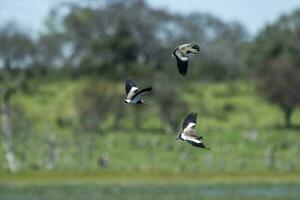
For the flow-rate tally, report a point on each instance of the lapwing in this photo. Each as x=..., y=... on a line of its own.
x=133, y=94
x=188, y=132
x=181, y=54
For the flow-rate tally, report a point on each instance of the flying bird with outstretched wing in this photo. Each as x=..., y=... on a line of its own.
x=133, y=94
x=188, y=132
x=181, y=54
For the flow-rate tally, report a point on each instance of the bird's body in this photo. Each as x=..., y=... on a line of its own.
x=181, y=54
x=188, y=132
x=133, y=95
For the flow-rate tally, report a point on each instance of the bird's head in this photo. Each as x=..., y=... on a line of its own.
x=195, y=48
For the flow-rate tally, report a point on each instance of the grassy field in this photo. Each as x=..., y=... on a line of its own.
x=244, y=132
x=252, y=155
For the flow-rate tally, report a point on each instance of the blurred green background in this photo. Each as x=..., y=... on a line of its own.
x=65, y=134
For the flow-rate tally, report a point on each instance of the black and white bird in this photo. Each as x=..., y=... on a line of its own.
x=133, y=94
x=181, y=54
x=188, y=132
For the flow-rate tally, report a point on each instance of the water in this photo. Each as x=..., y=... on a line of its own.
x=180, y=191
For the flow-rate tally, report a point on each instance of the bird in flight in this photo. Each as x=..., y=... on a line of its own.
x=133, y=94
x=188, y=132
x=181, y=54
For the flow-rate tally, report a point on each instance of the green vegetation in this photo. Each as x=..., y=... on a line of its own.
x=65, y=134
x=278, y=63
x=245, y=133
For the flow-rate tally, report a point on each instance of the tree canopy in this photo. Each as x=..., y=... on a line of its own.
x=127, y=35
x=275, y=55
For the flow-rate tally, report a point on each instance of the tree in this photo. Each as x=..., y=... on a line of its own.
x=275, y=56
x=16, y=53
x=280, y=83
x=8, y=88
x=16, y=46
x=120, y=37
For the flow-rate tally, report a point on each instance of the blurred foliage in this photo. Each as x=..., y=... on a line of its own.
x=93, y=104
x=88, y=126
x=275, y=55
x=118, y=38
x=63, y=90
x=16, y=47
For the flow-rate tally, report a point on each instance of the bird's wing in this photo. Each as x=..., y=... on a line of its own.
x=181, y=59
x=130, y=88
x=193, y=139
x=196, y=143
x=141, y=92
x=180, y=53
x=174, y=52
x=132, y=92
x=128, y=85
x=182, y=66
x=190, y=121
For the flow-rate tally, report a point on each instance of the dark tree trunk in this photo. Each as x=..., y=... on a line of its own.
x=7, y=133
x=287, y=117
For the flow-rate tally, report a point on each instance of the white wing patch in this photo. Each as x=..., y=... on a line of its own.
x=183, y=136
x=193, y=139
x=184, y=59
x=132, y=91
x=190, y=138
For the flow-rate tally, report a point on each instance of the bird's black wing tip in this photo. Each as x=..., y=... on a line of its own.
x=193, y=115
x=182, y=66
x=148, y=89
